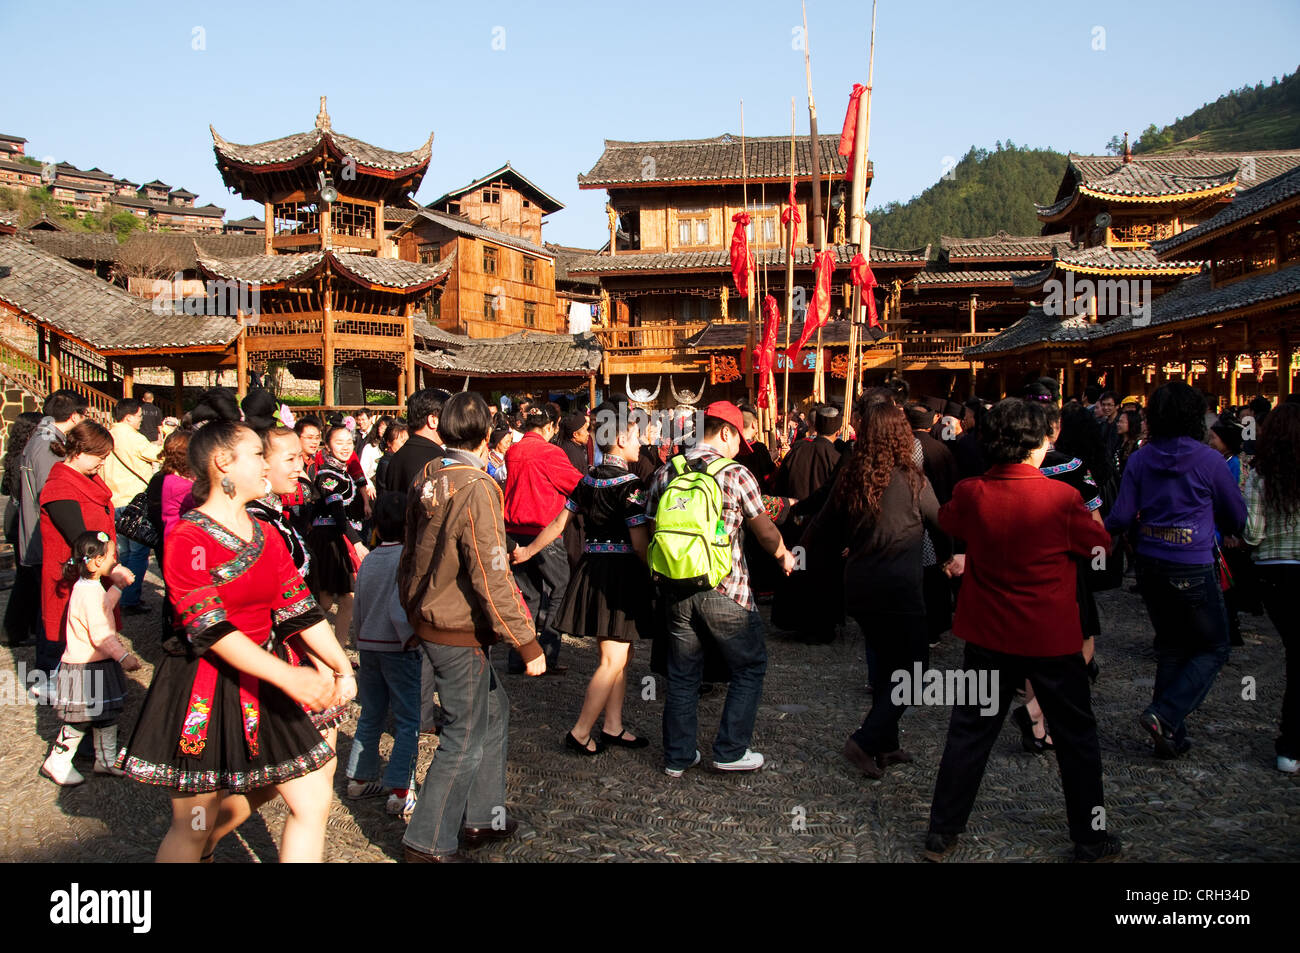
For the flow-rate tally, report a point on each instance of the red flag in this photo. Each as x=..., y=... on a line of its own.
x=741, y=261
x=792, y=218
x=850, y=132
x=863, y=277
x=819, y=308
x=766, y=352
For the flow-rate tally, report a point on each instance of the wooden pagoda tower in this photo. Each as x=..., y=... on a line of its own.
x=326, y=300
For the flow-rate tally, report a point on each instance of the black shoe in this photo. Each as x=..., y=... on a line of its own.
x=938, y=846
x=138, y=609
x=1102, y=852
x=471, y=837
x=1028, y=740
x=1166, y=747
x=620, y=741
x=573, y=744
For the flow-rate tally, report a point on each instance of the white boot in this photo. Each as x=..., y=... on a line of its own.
x=58, y=766
x=106, y=751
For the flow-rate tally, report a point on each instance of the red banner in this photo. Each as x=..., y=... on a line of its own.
x=766, y=352
x=792, y=218
x=863, y=277
x=819, y=308
x=850, y=132
x=741, y=262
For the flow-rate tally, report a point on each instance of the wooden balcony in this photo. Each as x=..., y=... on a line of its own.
x=939, y=347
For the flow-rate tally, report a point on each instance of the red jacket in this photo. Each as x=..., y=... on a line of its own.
x=1018, y=595
x=539, y=478
x=95, y=500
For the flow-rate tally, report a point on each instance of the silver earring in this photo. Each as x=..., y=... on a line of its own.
x=228, y=487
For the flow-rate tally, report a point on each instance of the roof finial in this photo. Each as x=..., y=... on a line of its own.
x=323, y=118
x=1128, y=156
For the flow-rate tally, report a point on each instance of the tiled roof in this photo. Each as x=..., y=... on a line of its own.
x=156, y=184
x=720, y=260
x=364, y=269
x=545, y=202
x=734, y=334
x=711, y=160
x=564, y=259
x=1036, y=327
x=67, y=168
x=1194, y=298
x=396, y=213
x=1153, y=176
x=527, y=352
x=1101, y=260
x=8, y=218
x=64, y=183
x=76, y=246
x=1000, y=245
x=464, y=226
x=1245, y=208
x=251, y=221
x=288, y=149
x=76, y=303
x=8, y=138
x=183, y=194
x=20, y=167
x=432, y=334
x=937, y=277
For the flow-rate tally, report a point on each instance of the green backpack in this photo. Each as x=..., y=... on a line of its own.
x=691, y=548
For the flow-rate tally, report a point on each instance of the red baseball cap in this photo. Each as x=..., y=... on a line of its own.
x=726, y=410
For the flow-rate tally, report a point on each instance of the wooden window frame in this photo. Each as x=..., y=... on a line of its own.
x=489, y=260
x=530, y=270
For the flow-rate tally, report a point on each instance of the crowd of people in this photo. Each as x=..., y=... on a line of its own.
x=434, y=537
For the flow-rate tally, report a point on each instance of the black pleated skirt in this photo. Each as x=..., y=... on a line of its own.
x=608, y=598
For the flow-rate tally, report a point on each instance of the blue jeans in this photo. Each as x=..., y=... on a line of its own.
x=739, y=635
x=135, y=557
x=466, y=784
x=387, y=679
x=1191, y=624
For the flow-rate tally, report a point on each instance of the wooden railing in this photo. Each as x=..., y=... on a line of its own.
x=649, y=339
x=940, y=346
x=36, y=378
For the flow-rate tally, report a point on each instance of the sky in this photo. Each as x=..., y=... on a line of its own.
x=132, y=87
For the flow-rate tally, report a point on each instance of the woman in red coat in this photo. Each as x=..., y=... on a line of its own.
x=1017, y=614
x=75, y=500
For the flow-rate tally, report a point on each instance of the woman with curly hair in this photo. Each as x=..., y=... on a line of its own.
x=875, y=516
x=1272, y=493
x=1175, y=492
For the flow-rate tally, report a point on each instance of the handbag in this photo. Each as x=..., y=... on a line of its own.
x=133, y=522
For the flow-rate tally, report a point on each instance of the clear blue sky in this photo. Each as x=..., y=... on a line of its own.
x=122, y=87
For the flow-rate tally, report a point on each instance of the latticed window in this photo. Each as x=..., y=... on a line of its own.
x=529, y=270
x=491, y=196
x=530, y=314
x=489, y=261
x=489, y=312
x=429, y=254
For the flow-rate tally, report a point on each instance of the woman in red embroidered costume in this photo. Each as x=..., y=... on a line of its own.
x=223, y=714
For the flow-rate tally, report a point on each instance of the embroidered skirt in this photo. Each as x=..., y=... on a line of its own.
x=288, y=744
x=90, y=693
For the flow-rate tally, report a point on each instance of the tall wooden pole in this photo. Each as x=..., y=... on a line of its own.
x=789, y=281
x=817, y=217
x=859, y=229
x=749, y=284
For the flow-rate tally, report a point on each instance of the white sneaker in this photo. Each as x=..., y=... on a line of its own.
x=401, y=806
x=678, y=772
x=1287, y=765
x=359, y=789
x=750, y=761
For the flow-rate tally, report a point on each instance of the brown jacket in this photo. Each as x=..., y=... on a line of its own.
x=454, y=578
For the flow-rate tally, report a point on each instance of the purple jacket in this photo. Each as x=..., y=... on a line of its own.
x=1174, y=492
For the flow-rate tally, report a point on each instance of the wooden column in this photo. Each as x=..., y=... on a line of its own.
x=1284, y=351
x=1069, y=379
x=327, y=344
x=401, y=389
x=241, y=360
x=52, y=356
x=409, y=387
x=1002, y=383
x=128, y=381
x=270, y=227
x=591, y=391
x=1232, y=378
x=1212, y=371
x=178, y=391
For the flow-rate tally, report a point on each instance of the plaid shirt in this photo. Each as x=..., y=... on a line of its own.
x=1278, y=538
x=741, y=500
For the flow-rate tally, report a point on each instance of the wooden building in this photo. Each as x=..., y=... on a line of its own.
x=524, y=361
x=1110, y=284
x=11, y=146
x=326, y=300
x=502, y=200
x=19, y=175
x=248, y=225
x=666, y=269
x=496, y=284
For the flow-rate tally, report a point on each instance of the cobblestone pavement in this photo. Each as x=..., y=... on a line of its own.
x=1223, y=802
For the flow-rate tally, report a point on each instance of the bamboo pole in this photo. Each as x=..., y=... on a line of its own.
x=859, y=228
x=749, y=284
x=789, y=281
x=816, y=210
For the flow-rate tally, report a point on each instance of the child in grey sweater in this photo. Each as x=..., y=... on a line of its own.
x=389, y=676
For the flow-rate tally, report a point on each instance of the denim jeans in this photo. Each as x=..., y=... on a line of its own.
x=542, y=580
x=1191, y=624
x=466, y=784
x=738, y=633
x=387, y=679
x=135, y=557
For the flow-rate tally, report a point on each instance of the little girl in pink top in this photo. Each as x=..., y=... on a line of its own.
x=91, y=686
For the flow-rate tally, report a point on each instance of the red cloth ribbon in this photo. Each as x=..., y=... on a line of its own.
x=819, y=307
x=741, y=261
x=194, y=730
x=862, y=276
x=791, y=217
x=766, y=351
x=849, y=135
